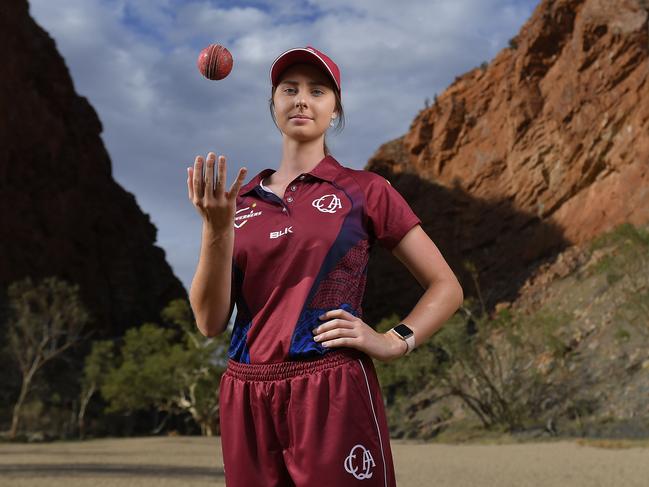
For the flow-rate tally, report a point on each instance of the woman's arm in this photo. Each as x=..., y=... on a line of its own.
x=443, y=295
x=442, y=298
x=210, y=292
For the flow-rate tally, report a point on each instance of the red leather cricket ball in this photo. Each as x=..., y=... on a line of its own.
x=214, y=62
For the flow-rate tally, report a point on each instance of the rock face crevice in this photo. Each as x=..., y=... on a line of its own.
x=62, y=212
x=554, y=127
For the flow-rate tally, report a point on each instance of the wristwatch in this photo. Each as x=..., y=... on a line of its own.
x=406, y=334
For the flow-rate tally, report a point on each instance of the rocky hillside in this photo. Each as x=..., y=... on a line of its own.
x=62, y=213
x=592, y=305
x=543, y=147
x=533, y=168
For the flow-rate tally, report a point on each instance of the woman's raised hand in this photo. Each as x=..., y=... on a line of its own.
x=216, y=206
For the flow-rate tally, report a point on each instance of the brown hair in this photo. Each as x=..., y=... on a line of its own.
x=340, y=118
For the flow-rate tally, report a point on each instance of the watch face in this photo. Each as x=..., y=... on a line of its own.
x=403, y=330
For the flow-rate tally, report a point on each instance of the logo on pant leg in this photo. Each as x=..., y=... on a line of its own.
x=359, y=462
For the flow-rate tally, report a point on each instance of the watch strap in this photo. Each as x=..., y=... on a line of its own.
x=410, y=341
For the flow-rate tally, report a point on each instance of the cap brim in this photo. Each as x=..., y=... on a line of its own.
x=298, y=55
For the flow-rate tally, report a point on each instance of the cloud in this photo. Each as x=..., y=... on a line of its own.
x=136, y=63
x=204, y=20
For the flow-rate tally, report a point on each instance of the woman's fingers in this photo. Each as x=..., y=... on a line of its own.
x=198, y=177
x=200, y=182
x=190, y=186
x=209, y=175
x=236, y=185
x=221, y=176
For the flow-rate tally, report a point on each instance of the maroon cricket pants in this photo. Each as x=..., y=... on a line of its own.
x=305, y=423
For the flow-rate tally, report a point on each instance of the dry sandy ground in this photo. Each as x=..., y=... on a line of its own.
x=195, y=461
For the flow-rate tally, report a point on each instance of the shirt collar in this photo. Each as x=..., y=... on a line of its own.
x=326, y=169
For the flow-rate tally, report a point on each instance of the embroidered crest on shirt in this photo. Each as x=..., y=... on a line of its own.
x=359, y=462
x=243, y=219
x=328, y=203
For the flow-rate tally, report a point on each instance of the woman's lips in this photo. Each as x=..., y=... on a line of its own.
x=300, y=119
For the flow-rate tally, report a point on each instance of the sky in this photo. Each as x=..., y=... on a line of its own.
x=135, y=61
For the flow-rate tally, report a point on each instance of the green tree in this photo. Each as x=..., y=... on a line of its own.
x=207, y=362
x=486, y=362
x=44, y=321
x=98, y=363
x=489, y=363
x=157, y=368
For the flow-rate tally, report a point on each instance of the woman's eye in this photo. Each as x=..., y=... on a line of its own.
x=293, y=89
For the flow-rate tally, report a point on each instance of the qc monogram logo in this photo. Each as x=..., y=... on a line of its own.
x=359, y=462
x=328, y=203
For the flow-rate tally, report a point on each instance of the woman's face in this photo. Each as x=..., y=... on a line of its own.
x=304, y=89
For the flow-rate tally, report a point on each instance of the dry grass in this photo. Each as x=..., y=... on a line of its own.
x=196, y=461
x=613, y=443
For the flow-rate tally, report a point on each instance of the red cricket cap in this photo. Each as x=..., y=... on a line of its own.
x=309, y=55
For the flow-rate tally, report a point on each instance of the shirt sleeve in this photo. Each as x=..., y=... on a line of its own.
x=390, y=217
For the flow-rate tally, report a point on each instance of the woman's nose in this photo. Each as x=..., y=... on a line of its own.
x=300, y=102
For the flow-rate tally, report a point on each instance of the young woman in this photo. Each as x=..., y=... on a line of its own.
x=300, y=402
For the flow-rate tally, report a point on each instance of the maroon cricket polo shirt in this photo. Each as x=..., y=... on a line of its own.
x=306, y=253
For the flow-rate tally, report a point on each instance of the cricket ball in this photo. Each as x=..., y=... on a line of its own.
x=214, y=62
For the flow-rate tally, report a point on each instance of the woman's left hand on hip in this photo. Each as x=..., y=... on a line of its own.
x=340, y=328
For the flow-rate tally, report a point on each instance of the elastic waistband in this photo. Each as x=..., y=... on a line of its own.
x=293, y=368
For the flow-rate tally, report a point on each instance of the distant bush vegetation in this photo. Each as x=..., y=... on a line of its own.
x=496, y=364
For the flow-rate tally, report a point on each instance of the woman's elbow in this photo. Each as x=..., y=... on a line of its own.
x=460, y=295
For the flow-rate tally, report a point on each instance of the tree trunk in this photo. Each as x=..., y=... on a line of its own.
x=24, y=389
x=81, y=422
x=158, y=428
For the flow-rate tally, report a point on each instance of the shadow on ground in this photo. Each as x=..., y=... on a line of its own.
x=91, y=469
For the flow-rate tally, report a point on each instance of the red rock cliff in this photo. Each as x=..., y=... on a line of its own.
x=545, y=146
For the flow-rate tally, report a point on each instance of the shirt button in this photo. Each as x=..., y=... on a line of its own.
x=293, y=188
x=289, y=199
x=283, y=209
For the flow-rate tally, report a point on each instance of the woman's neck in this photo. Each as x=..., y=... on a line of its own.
x=297, y=158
